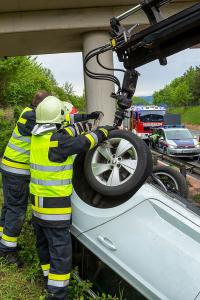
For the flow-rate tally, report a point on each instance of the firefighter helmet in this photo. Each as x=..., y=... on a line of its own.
x=50, y=110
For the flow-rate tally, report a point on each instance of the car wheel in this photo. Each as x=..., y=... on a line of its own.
x=170, y=180
x=119, y=166
x=147, y=142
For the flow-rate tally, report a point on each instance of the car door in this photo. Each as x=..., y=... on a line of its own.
x=86, y=217
x=155, y=246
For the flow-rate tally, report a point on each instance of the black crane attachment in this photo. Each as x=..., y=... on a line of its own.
x=164, y=37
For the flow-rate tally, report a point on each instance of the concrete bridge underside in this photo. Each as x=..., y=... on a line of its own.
x=55, y=26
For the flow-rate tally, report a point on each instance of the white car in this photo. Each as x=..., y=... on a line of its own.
x=151, y=239
x=177, y=142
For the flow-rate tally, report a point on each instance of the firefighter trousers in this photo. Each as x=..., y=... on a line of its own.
x=55, y=254
x=16, y=193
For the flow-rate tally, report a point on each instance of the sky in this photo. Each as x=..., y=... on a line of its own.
x=68, y=67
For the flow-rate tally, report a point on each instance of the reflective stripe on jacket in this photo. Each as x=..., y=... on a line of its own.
x=51, y=166
x=51, y=182
x=51, y=209
x=48, y=179
x=17, y=153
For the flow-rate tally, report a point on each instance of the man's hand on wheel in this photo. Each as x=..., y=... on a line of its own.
x=105, y=130
x=107, y=127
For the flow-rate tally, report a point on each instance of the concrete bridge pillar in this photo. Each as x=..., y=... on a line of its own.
x=98, y=91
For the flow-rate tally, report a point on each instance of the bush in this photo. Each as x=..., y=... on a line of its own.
x=17, y=112
x=7, y=127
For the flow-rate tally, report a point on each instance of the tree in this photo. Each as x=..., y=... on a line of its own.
x=22, y=77
x=8, y=70
x=195, y=86
x=69, y=89
x=163, y=96
x=182, y=91
x=138, y=100
x=78, y=101
x=182, y=95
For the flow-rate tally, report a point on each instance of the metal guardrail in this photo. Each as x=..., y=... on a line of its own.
x=89, y=291
x=185, y=167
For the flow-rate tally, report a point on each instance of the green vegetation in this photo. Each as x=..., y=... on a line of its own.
x=196, y=198
x=182, y=91
x=189, y=115
x=21, y=77
x=7, y=125
x=138, y=100
x=182, y=96
x=16, y=285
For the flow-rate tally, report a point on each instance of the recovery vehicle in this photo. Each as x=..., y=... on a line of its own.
x=142, y=119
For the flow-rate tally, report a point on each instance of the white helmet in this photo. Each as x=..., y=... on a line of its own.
x=69, y=108
x=50, y=110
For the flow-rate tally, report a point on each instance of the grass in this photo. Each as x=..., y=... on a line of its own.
x=189, y=115
x=26, y=283
x=16, y=284
x=196, y=198
x=7, y=113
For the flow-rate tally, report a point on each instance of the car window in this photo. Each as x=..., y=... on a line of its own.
x=152, y=116
x=175, y=134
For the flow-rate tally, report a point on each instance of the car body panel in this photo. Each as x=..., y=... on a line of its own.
x=152, y=241
x=92, y=216
x=198, y=297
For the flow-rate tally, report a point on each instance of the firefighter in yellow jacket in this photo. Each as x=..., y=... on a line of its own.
x=15, y=168
x=15, y=171
x=51, y=165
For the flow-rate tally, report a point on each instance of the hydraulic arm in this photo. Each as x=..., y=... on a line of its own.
x=161, y=39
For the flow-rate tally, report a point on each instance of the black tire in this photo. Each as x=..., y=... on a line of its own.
x=163, y=172
x=134, y=181
x=147, y=142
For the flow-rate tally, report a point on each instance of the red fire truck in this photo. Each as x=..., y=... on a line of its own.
x=142, y=119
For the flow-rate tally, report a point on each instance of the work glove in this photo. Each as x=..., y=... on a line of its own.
x=105, y=130
x=107, y=127
x=87, y=126
x=82, y=127
x=95, y=115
